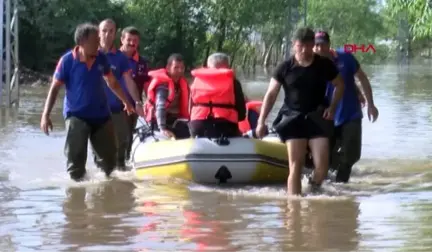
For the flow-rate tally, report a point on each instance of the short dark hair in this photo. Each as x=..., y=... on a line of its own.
x=131, y=30
x=175, y=57
x=83, y=32
x=109, y=20
x=304, y=35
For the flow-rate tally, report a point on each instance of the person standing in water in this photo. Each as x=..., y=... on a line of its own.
x=84, y=71
x=348, y=115
x=122, y=71
x=305, y=118
x=130, y=39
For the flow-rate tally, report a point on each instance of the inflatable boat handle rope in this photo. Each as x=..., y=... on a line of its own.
x=136, y=130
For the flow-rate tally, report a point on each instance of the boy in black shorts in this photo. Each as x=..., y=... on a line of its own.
x=305, y=118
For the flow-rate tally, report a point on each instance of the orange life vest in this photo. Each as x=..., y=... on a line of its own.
x=160, y=76
x=212, y=94
x=244, y=126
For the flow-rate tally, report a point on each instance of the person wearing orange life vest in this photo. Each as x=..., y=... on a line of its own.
x=168, y=98
x=252, y=112
x=217, y=100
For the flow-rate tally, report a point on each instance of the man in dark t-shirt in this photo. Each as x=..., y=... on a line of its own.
x=305, y=118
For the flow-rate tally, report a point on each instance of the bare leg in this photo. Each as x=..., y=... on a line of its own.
x=296, y=157
x=320, y=153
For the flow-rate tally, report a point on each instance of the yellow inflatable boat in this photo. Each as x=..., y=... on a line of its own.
x=209, y=161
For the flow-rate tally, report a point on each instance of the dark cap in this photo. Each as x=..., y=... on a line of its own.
x=322, y=37
x=304, y=35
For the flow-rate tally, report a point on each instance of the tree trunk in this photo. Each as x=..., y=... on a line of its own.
x=237, y=45
x=245, y=59
x=221, y=34
x=263, y=52
x=207, y=53
x=278, y=52
x=268, y=55
x=254, y=63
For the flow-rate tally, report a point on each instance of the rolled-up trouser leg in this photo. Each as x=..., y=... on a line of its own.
x=103, y=141
x=351, y=143
x=75, y=150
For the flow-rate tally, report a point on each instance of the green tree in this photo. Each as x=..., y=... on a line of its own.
x=252, y=32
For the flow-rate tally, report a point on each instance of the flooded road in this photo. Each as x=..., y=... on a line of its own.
x=386, y=207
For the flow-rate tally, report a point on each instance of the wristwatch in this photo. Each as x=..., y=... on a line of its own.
x=139, y=103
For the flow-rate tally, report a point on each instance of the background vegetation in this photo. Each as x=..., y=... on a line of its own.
x=251, y=31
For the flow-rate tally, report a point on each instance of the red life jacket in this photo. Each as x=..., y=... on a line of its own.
x=212, y=94
x=160, y=76
x=244, y=126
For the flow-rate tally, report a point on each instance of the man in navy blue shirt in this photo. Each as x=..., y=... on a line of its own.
x=84, y=71
x=348, y=115
x=123, y=72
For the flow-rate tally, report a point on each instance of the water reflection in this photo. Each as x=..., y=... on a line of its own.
x=185, y=220
x=407, y=83
x=402, y=96
x=7, y=217
x=189, y=220
x=209, y=227
x=95, y=215
x=7, y=117
x=117, y=215
x=396, y=222
x=321, y=225
x=418, y=238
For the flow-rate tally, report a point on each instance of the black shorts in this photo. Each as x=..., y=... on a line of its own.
x=306, y=127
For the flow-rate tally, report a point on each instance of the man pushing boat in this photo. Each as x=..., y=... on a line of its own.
x=84, y=71
x=130, y=39
x=305, y=119
x=122, y=71
x=348, y=115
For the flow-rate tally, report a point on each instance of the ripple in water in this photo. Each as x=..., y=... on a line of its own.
x=385, y=207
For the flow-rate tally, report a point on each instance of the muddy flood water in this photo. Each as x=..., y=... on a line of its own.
x=386, y=207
